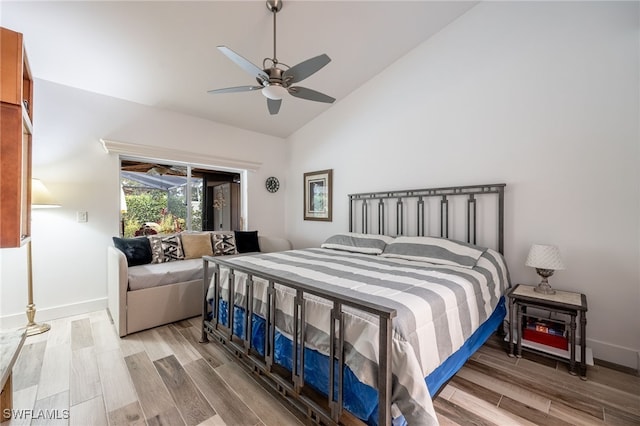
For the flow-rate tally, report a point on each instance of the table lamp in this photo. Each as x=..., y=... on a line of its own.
x=546, y=259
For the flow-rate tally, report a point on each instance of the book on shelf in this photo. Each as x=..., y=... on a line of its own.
x=547, y=327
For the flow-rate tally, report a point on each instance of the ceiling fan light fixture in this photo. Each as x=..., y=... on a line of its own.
x=274, y=91
x=277, y=80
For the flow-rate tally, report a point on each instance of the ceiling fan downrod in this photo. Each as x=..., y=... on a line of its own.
x=274, y=6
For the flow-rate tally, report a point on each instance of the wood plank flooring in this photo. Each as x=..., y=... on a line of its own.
x=82, y=373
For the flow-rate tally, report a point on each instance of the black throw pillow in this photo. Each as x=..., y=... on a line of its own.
x=246, y=241
x=137, y=250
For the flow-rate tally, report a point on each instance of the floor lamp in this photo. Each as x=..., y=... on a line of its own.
x=40, y=198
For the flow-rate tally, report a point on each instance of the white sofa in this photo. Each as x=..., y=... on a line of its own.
x=136, y=310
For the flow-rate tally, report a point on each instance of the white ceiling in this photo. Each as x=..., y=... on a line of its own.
x=163, y=53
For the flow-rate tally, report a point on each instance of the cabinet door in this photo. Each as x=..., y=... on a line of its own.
x=11, y=65
x=16, y=115
x=15, y=177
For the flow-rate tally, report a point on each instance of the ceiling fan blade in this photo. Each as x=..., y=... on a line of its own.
x=243, y=63
x=235, y=89
x=311, y=95
x=306, y=68
x=273, y=105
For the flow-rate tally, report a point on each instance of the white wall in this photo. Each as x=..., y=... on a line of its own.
x=540, y=95
x=69, y=258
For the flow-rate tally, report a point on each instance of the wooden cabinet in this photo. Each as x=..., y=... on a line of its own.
x=16, y=115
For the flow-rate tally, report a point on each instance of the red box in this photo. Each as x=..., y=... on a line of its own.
x=546, y=339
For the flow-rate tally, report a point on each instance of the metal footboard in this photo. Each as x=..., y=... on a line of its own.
x=291, y=384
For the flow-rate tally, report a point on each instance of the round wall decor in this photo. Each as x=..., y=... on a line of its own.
x=272, y=184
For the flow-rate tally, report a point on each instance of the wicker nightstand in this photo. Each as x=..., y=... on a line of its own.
x=567, y=303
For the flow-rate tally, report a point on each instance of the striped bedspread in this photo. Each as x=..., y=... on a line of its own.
x=438, y=308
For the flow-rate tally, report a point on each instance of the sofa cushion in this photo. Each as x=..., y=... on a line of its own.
x=247, y=241
x=273, y=244
x=196, y=244
x=137, y=250
x=158, y=274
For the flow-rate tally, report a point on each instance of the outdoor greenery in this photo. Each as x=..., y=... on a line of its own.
x=162, y=211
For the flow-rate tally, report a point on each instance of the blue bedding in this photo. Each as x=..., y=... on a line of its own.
x=359, y=398
x=438, y=309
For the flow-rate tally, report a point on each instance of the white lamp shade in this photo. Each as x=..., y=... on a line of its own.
x=40, y=196
x=274, y=91
x=543, y=256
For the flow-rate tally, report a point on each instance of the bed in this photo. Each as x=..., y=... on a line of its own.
x=398, y=316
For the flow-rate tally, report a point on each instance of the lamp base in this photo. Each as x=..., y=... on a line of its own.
x=33, y=329
x=544, y=290
x=544, y=286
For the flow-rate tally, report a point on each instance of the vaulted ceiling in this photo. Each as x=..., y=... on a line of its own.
x=163, y=53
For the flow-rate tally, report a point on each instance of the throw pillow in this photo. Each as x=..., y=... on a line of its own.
x=172, y=248
x=137, y=250
x=246, y=241
x=157, y=252
x=223, y=243
x=196, y=244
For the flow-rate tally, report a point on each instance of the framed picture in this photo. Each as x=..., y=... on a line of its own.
x=317, y=195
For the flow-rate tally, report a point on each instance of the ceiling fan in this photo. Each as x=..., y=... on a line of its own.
x=275, y=79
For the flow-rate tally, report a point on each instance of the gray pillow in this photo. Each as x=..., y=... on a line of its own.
x=357, y=243
x=440, y=251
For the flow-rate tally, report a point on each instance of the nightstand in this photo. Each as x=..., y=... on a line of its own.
x=570, y=304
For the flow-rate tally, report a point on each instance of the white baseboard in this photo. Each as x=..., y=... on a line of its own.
x=55, y=312
x=620, y=355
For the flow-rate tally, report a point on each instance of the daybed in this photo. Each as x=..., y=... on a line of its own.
x=152, y=294
x=384, y=322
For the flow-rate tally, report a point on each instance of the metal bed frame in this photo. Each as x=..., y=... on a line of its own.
x=293, y=387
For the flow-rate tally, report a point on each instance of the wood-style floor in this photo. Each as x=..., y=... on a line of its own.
x=81, y=373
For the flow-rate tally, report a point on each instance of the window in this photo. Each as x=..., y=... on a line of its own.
x=162, y=198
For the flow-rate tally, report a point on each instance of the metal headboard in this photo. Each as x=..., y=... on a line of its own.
x=414, y=204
